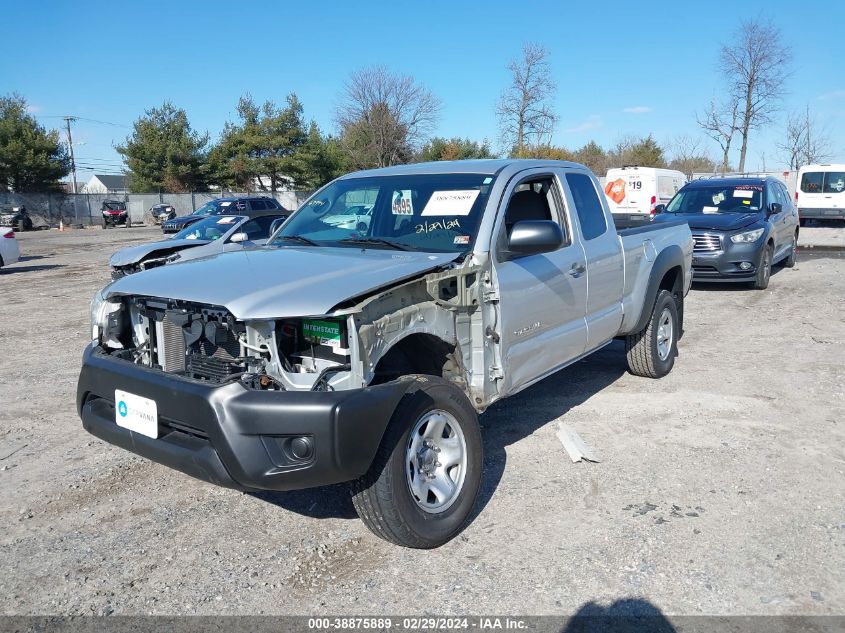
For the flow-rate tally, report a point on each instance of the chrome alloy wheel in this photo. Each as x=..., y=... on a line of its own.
x=435, y=461
x=664, y=334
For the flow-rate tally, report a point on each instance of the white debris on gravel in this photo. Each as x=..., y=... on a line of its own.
x=574, y=445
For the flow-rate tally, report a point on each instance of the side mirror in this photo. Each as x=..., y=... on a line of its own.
x=239, y=237
x=660, y=208
x=531, y=237
x=775, y=208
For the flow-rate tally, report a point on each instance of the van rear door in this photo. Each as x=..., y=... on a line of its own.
x=629, y=195
x=821, y=193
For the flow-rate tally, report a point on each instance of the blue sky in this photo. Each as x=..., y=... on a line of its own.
x=621, y=68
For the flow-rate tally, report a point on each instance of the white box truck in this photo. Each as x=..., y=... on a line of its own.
x=633, y=192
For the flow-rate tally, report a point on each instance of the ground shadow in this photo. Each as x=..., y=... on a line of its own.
x=28, y=269
x=31, y=258
x=630, y=615
x=736, y=286
x=328, y=502
x=519, y=416
x=503, y=424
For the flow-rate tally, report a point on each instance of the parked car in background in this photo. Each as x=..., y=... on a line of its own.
x=115, y=214
x=335, y=354
x=634, y=192
x=221, y=206
x=162, y=212
x=19, y=220
x=210, y=236
x=820, y=193
x=741, y=227
x=9, y=251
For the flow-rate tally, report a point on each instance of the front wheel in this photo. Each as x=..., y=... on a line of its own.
x=764, y=269
x=651, y=352
x=424, y=481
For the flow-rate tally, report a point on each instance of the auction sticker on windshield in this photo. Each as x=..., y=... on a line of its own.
x=457, y=202
x=402, y=204
x=136, y=413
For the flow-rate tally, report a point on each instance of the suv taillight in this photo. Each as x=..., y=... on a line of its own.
x=10, y=235
x=653, y=204
x=796, y=195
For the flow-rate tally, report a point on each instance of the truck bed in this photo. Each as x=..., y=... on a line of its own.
x=640, y=246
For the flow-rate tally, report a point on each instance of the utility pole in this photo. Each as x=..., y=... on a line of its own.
x=68, y=119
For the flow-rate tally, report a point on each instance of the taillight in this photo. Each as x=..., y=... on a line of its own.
x=796, y=196
x=653, y=203
x=10, y=235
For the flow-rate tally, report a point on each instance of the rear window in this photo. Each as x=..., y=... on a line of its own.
x=834, y=182
x=811, y=181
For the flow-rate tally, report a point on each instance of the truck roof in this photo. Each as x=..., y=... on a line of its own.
x=491, y=166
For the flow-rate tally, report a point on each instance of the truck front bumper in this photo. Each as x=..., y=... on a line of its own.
x=237, y=437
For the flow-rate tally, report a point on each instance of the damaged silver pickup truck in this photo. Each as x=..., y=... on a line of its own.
x=365, y=352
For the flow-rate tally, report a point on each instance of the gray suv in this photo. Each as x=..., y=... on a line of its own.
x=741, y=227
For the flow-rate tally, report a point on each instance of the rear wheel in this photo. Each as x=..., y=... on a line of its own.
x=425, y=478
x=651, y=352
x=764, y=269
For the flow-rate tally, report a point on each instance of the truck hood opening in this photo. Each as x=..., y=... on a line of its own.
x=134, y=254
x=272, y=283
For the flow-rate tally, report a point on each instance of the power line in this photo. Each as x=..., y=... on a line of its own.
x=81, y=118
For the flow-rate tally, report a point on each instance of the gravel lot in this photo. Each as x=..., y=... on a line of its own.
x=721, y=488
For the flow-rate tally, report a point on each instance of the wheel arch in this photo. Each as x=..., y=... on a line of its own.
x=667, y=273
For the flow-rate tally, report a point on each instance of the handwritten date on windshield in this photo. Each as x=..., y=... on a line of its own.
x=440, y=225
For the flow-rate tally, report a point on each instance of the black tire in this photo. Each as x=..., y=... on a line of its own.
x=789, y=262
x=105, y=225
x=764, y=268
x=383, y=497
x=643, y=349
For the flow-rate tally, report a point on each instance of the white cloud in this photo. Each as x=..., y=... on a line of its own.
x=835, y=94
x=637, y=110
x=593, y=121
x=32, y=108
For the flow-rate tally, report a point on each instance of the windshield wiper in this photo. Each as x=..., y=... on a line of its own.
x=375, y=241
x=297, y=238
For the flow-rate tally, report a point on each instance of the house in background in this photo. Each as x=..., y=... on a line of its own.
x=106, y=183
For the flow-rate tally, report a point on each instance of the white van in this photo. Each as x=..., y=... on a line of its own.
x=821, y=192
x=633, y=192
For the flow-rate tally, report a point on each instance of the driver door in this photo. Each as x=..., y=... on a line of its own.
x=542, y=297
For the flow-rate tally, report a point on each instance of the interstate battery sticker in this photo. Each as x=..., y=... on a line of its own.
x=322, y=332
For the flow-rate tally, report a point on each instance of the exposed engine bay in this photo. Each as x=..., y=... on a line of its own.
x=207, y=343
x=359, y=343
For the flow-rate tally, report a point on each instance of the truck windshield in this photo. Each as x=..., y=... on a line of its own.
x=210, y=229
x=428, y=212
x=718, y=199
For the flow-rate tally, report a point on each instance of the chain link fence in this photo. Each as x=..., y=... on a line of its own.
x=84, y=209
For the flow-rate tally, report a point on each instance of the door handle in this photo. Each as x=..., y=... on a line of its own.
x=577, y=269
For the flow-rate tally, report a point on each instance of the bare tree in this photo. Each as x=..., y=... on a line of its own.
x=805, y=141
x=384, y=117
x=525, y=115
x=755, y=67
x=720, y=123
x=689, y=156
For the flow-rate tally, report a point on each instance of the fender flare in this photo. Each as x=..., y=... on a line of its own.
x=670, y=257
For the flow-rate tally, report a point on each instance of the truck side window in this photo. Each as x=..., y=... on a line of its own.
x=587, y=205
x=531, y=200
